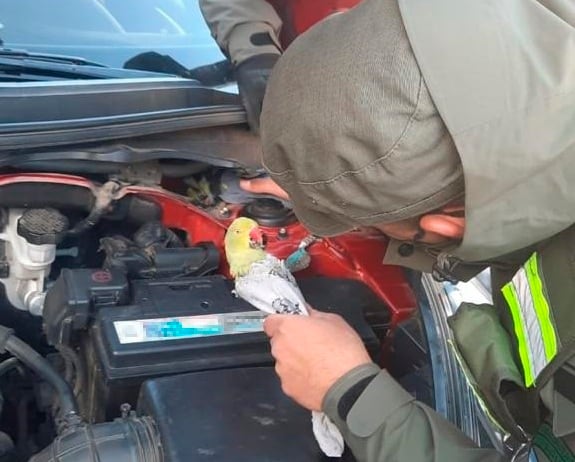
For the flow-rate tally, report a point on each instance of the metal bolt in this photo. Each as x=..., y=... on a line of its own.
x=225, y=212
x=282, y=233
x=125, y=409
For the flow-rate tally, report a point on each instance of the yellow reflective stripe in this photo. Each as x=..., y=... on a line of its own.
x=541, y=307
x=530, y=322
x=524, y=352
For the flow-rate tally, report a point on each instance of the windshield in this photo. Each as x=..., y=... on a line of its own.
x=110, y=32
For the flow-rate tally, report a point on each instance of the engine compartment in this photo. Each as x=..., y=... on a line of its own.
x=118, y=284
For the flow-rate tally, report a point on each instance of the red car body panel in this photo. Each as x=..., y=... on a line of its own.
x=299, y=15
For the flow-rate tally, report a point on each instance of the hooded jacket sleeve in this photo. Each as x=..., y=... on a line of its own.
x=386, y=423
x=243, y=28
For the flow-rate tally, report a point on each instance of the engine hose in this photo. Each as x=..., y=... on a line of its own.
x=8, y=365
x=71, y=358
x=105, y=195
x=87, y=223
x=32, y=359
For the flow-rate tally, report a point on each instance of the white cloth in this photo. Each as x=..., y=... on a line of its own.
x=270, y=287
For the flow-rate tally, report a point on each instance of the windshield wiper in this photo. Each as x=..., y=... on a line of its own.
x=211, y=75
x=50, y=58
x=20, y=65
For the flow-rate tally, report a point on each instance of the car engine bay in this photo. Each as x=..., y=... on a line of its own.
x=119, y=326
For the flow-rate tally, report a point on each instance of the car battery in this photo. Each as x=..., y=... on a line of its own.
x=186, y=325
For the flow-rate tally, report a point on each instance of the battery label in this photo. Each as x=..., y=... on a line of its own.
x=153, y=330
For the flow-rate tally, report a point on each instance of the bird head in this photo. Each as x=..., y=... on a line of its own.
x=244, y=243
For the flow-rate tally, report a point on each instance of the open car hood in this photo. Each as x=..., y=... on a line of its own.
x=123, y=121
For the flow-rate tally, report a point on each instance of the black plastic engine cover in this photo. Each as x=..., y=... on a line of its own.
x=234, y=415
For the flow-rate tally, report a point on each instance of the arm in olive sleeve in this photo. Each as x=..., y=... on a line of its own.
x=243, y=28
x=386, y=423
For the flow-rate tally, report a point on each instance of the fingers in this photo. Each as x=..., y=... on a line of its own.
x=272, y=324
x=275, y=322
x=263, y=186
x=444, y=225
x=275, y=350
x=316, y=314
x=312, y=311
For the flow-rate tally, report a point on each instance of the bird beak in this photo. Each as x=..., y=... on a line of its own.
x=257, y=240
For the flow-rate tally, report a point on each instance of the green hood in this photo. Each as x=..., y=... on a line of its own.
x=506, y=91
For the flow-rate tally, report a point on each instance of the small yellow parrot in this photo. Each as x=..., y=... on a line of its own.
x=260, y=278
x=264, y=281
x=244, y=245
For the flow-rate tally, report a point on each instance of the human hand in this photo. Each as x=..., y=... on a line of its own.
x=264, y=185
x=312, y=353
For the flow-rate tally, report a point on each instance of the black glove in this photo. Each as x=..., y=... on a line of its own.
x=218, y=73
x=252, y=77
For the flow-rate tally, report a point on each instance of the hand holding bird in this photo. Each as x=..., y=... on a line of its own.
x=264, y=281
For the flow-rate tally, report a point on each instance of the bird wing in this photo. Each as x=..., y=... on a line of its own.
x=270, y=287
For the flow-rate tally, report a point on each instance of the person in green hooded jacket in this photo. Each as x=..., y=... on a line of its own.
x=450, y=126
